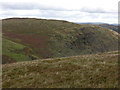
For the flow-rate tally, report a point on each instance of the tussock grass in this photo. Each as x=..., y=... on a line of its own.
x=85, y=71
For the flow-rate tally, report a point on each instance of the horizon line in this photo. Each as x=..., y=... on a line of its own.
x=55, y=19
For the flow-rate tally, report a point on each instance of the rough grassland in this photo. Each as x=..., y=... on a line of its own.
x=57, y=38
x=85, y=71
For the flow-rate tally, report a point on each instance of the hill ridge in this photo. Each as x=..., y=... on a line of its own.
x=49, y=38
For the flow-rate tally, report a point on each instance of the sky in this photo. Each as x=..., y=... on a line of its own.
x=105, y=11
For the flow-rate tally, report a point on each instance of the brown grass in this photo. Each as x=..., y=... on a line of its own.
x=85, y=71
x=35, y=41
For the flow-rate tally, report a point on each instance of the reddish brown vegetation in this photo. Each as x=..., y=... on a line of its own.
x=35, y=41
x=7, y=59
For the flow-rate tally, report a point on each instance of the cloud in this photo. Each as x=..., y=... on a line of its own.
x=28, y=6
x=70, y=10
x=96, y=10
x=17, y=6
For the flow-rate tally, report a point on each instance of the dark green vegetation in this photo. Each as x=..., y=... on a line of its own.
x=85, y=71
x=29, y=39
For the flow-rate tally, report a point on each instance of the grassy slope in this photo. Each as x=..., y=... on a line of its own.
x=56, y=38
x=85, y=71
x=13, y=52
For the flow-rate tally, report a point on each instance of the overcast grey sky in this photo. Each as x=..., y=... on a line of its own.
x=71, y=10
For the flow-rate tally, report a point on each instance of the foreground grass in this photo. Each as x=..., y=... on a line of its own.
x=85, y=71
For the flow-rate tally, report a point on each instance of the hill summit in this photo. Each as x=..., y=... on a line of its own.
x=30, y=38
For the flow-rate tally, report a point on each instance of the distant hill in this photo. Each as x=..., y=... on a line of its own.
x=30, y=39
x=84, y=71
x=110, y=26
x=113, y=27
x=92, y=23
